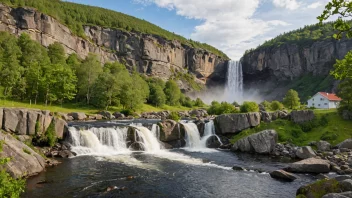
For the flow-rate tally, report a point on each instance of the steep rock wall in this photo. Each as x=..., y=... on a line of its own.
x=150, y=54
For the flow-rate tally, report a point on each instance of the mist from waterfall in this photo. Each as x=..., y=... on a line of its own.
x=234, y=86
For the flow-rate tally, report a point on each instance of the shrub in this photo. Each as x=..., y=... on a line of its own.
x=127, y=112
x=224, y=108
x=266, y=104
x=174, y=116
x=328, y=136
x=249, y=107
x=236, y=104
x=37, y=127
x=199, y=103
x=276, y=105
x=51, y=135
x=296, y=133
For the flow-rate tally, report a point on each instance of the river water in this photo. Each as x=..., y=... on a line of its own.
x=157, y=172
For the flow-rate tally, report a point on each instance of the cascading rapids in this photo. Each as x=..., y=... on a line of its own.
x=111, y=141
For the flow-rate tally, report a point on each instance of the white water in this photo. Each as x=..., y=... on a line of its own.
x=209, y=131
x=192, y=135
x=98, y=141
x=148, y=140
x=156, y=131
x=234, y=86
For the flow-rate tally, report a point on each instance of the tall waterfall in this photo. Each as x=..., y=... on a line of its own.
x=104, y=141
x=234, y=86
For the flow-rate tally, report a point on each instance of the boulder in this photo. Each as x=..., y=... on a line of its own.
x=311, y=165
x=263, y=142
x=65, y=154
x=201, y=127
x=282, y=114
x=119, y=115
x=338, y=195
x=24, y=161
x=302, y=116
x=106, y=115
x=305, y=152
x=64, y=116
x=234, y=123
x=33, y=119
x=283, y=175
x=78, y=115
x=346, y=185
x=323, y=146
x=170, y=131
x=15, y=120
x=60, y=127
x=319, y=188
x=198, y=113
x=345, y=144
x=266, y=117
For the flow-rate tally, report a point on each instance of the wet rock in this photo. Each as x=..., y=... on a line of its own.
x=311, y=165
x=343, y=177
x=201, y=127
x=263, y=142
x=305, y=152
x=346, y=185
x=225, y=146
x=283, y=175
x=238, y=168
x=170, y=131
x=78, y=116
x=65, y=154
x=302, y=116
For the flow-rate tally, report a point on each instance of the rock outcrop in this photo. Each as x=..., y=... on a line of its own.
x=234, y=123
x=24, y=161
x=30, y=122
x=267, y=68
x=305, y=152
x=346, y=144
x=263, y=143
x=150, y=54
x=302, y=116
x=170, y=131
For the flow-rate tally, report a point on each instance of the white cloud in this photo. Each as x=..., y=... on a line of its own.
x=288, y=4
x=315, y=5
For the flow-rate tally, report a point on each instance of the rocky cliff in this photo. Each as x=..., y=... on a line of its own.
x=273, y=68
x=152, y=55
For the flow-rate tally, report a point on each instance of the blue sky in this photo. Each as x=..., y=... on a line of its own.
x=230, y=25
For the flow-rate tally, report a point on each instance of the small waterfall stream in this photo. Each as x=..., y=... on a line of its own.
x=209, y=131
x=148, y=139
x=192, y=135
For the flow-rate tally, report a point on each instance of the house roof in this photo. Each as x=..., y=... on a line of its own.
x=330, y=96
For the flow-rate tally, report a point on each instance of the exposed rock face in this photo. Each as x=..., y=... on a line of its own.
x=150, y=54
x=311, y=165
x=78, y=115
x=170, y=131
x=234, y=123
x=24, y=161
x=302, y=116
x=263, y=143
x=305, y=152
x=267, y=68
x=30, y=122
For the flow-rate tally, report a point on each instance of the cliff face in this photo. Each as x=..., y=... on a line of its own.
x=150, y=54
x=274, y=68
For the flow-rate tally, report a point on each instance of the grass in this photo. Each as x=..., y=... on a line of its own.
x=68, y=108
x=335, y=131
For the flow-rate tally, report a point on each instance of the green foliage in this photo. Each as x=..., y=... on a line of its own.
x=276, y=105
x=236, y=104
x=174, y=116
x=157, y=96
x=50, y=135
x=75, y=16
x=190, y=80
x=186, y=101
x=291, y=99
x=320, y=188
x=127, y=112
x=199, y=103
x=172, y=92
x=224, y=108
x=328, y=136
x=266, y=104
x=9, y=187
x=248, y=106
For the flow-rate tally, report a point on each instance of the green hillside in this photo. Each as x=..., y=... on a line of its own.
x=75, y=15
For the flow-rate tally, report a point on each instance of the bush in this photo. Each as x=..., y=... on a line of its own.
x=329, y=136
x=51, y=135
x=276, y=105
x=199, y=103
x=266, y=104
x=236, y=104
x=224, y=108
x=127, y=112
x=249, y=107
x=174, y=116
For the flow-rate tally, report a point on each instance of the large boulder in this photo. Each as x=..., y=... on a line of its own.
x=234, y=123
x=106, y=115
x=319, y=188
x=198, y=113
x=60, y=127
x=78, y=115
x=263, y=142
x=15, y=120
x=119, y=115
x=283, y=175
x=311, y=165
x=305, y=152
x=24, y=161
x=347, y=144
x=323, y=146
x=170, y=131
x=266, y=116
x=302, y=116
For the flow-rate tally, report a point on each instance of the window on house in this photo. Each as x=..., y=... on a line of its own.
x=325, y=103
x=313, y=99
x=319, y=105
x=313, y=104
x=321, y=99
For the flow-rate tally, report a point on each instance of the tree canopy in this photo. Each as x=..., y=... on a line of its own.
x=291, y=99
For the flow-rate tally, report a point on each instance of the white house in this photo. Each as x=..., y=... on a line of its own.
x=323, y=100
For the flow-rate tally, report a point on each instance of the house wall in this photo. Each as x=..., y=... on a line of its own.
x=320, y=102
x=333, y=104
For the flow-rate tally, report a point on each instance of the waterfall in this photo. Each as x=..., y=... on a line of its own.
x=234, y=86
x=105, y=141
x=147, y=139
x=156, y=131
x=209, y=131
x=192, y=135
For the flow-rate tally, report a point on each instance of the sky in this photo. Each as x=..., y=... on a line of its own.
x=232, y=26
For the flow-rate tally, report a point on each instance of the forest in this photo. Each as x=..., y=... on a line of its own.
x=31, y=72
x=76, y=15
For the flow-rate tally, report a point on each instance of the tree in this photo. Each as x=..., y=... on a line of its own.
x=345, y=92
x=73, y=61
x=199, y=103
x=276, y=105
x=248, y=106
x=172, y=92
x=56, y=53
x=134, y=93
x=87, y=74
x=266, y=104
x=291, y=99
x=343, y=9
x=157, y=96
